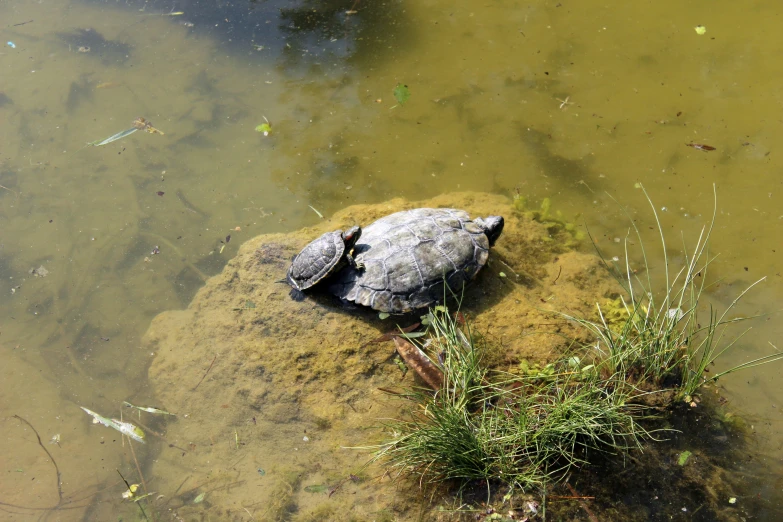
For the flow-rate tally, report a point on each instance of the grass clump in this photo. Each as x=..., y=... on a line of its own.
x=661, y=344
x=528, y=430
x=519, y=430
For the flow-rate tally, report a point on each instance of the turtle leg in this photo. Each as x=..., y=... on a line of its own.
x=358, y=265
x=297, y=295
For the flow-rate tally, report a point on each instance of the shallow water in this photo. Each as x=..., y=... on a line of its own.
x=549, y=99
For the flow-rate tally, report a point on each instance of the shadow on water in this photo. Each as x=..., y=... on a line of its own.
x=704, y=467
x=307, y=33
x=94, y=44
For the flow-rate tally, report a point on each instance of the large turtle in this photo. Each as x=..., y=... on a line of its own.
x=321, y=258
x=408, y=256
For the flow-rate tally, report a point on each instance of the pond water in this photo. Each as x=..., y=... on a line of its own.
x=579, y=102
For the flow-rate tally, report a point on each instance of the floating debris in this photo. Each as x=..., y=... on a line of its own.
x=401, y=93
x=130, y=492
x=39, y=272
x=148, y=409
x=684, y=456
x=700, y=29
x=55, y=439
x=138, y=124
x=126, y=428
x=699, y=146
x=314, y=210
x=142, y=124
x=107, y=85
x=11, y=44
x=265, y=128
x=199, y=499
x=114, y=137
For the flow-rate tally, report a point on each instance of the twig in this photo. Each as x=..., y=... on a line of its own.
x=314, y=210
x=10, y=190
x=560, y=271
x=581, y=503
x=205, y=373
x=143, y=482
x=161, y=437
x=59, y=487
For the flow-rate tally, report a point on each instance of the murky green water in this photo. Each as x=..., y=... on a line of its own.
x=568, y=100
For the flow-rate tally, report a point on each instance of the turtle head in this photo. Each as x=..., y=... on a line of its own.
x=493, y=226
x=351, y=236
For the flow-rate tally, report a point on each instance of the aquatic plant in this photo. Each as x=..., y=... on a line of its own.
x=660, y=342
x=554, y=221
x=499, y=427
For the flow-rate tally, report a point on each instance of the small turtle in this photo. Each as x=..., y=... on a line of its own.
x=321, y=258
x=408, y=256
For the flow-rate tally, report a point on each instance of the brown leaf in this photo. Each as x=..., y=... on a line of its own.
x=421, y=364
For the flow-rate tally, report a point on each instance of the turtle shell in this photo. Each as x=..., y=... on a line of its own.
x=317, y=260
x=409, y=255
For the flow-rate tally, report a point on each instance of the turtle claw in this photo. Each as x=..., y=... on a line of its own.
x=297, y=295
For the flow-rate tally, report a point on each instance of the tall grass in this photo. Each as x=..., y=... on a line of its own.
x=521, y=431
x=662, y=341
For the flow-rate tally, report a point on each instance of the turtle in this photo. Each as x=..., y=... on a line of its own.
x=408, y=256
x=321, y=258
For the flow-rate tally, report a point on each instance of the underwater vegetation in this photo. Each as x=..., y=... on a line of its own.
x=554, y=220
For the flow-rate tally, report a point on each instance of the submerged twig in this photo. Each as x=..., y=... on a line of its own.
x=161, y=437
x=114, y=137
x=10, y=190
x=141, y=477
x=205, y=373
x=314, y=210
x=56, y=468
x=560, y=271
x=581, y=502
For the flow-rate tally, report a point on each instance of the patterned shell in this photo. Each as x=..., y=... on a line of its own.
x=316, y=260
x=407, y=256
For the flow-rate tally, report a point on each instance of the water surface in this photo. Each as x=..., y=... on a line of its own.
x=576, y=101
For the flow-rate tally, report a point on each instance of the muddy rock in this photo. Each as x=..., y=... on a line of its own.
x=260, y=381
